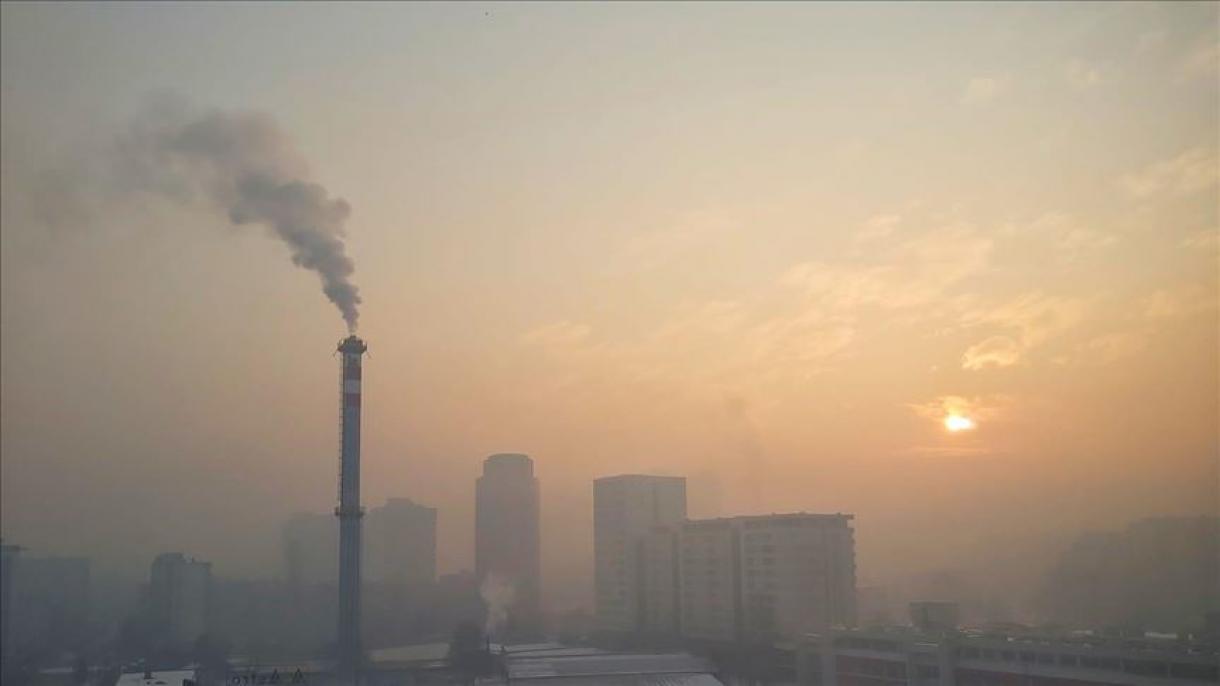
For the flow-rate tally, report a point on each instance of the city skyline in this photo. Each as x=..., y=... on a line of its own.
x=927, y=265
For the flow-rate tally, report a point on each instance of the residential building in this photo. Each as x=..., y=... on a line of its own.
x=50, y=604
x=399, y=547
x=798, y=574
x=766, y=578
x=400, y=544
x=709, y=576
x=179, y=592
x=627, y=510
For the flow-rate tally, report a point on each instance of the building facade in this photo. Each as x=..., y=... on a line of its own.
x=179, y=593
x=903, y=656
x=9, y=557
x=627, y=511
x=798, y=574
x=50, y=604
x=507, y=539
x=400, y=544
x=399, y=547
x=709, y=572
x=755, y=579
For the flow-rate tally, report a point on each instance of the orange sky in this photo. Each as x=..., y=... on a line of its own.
x=767, y=247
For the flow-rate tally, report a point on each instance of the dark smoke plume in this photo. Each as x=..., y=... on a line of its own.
x=244, y=165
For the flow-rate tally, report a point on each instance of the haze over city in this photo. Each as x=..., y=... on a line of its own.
x=950, y=268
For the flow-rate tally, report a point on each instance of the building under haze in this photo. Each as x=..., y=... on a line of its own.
x=629, y=512
x=50, y=605
x=179, y=595
x=399, y=547
x=507, y=547
x=400, y=544
x=9, y=556
x=752, y=578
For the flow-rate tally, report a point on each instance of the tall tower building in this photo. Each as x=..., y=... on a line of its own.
x=349, y=512
x=631, y=514
x=507, y=550
x=179, y=593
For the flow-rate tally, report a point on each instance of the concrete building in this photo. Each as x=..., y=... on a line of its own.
x=766, y=578
x=179, y=593
x=798, y=574
x=627, y=510
x=660, y=581
x=50, y=604
x=903, y=656
x=507, y=542
x=9, y=556
x=400, y=544
x=709, y=576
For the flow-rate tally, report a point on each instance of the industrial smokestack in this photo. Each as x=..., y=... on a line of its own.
x=351, y=350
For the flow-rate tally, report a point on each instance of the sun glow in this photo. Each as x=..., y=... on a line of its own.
x=956, y=422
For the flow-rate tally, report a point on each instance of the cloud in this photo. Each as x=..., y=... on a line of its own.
x=557, y=334
x=1070, y=239
x=1207, y=240
x=1112, y=347
x=1027, y=321
x=996, y=351
x=1165, y=304
x=981, y=90
x=877, y=227
x=1192, y=171
x=981, y=408
x=1203, y=61
x=915, y=273
x=1083, y=74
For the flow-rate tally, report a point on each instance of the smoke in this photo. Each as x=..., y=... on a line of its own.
x=498, y=593
x=243, y=165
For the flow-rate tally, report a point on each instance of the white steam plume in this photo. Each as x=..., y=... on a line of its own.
x=498, y=592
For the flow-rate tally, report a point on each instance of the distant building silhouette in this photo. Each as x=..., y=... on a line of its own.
x=50, y=604
x=399, y=547
x=400, y=544
x=507, y=543
x=9, y=556
x=627, y=511
x=179, y=594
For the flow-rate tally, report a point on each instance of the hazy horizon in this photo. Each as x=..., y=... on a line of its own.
x=768, y=247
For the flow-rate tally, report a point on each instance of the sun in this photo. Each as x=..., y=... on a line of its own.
x=956, y=422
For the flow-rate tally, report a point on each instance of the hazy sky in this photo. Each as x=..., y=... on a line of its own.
x=768, y=247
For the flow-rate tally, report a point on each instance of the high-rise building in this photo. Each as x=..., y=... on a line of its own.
x=709, y=572
x=51, y=608
x=9, y=555
x=660, y=582
x=179, y=592
x=797, y=573
x=399, y=547
x=752, y=578
x=400, y=544
x=627, y=510
x=507, y=550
